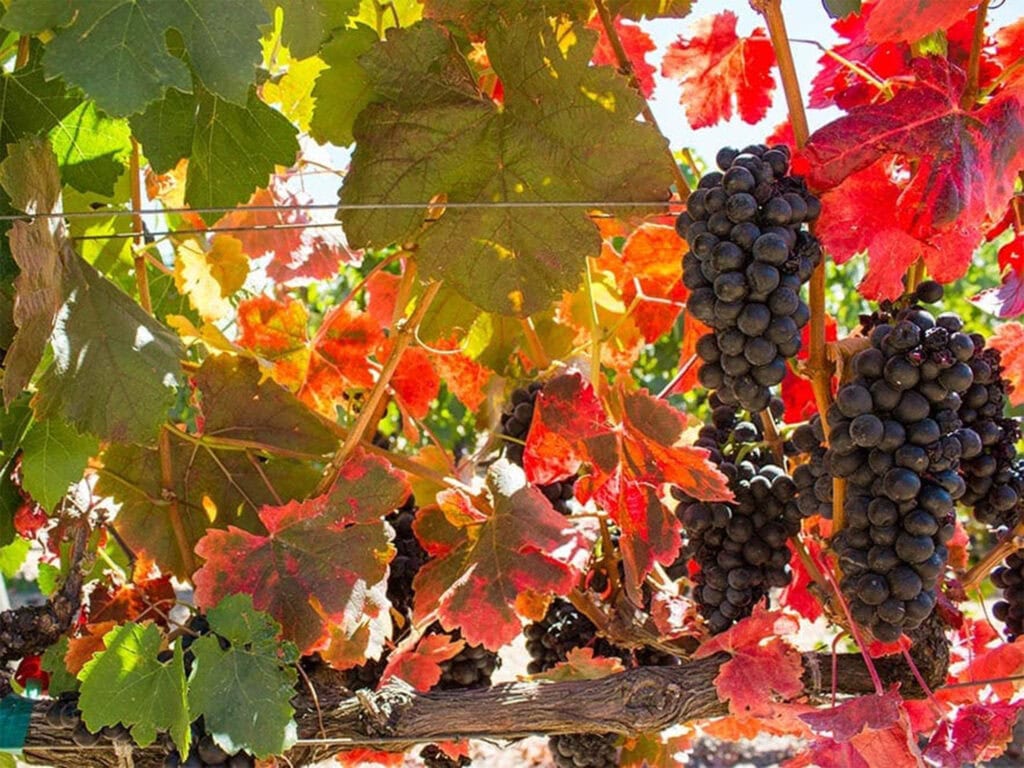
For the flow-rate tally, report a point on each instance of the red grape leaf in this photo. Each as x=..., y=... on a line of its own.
x=630, y=462
x=481, y=559
x=580, y=664
x=762, y=663
x=719, y=71
x=272, y=223
x=1000, y=660
x=276, y=331
x=146, y=597
x=419, y=663
x=1010, y=49
x=1009, y=340
x=674, y=615
x=365, y=756
x=637, y=45
x=846, y=720
x=895, y=746
x=652, y=259
x=341, y=355
x=415, y=382
x=837, y=84
x=320, y=561
x=940, y=168
x=910, y=20
x=381, y=297
x=797, y=594
x=978, y=732
x=464, y=377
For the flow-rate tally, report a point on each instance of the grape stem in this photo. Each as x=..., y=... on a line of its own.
x=818, y=368
x=1006, y=546
x=970, y=95
x=626, y=68
x=188, y=562
x=139, y=255
x=771, y=436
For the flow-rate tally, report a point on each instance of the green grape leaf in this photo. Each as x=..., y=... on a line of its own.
x=30, y=17
x=342, y=90
x=567, y=132
x=651, y=9
x=129, y=37
x=243, y=692
x=8, y=273
x=10, y=500
x=29, y=176
x=13, y=556
x=114, y=368
x=389, y=14
x=308, y=23
x=239, y=406
x=53, y=663
x=53, y=457
x=91, y=149
x=480, y=16
x=29, y=103
x=234, y=151
x=165, y=129
x=840, y=9
x=124, y=683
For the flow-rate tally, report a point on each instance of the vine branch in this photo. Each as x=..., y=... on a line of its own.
x=974, y=61
x=1006, y=546
x=139, y=255
x=171, y=497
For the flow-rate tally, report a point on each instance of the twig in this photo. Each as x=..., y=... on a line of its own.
x=970, y=95
x=24, y=48
x=171, y=497
x=1007, y=545
x=626, y=68
x=534, y=343
x=595, y=328
x=141, y=275
x=771, y=435
x=683, y=370
x=406, y=333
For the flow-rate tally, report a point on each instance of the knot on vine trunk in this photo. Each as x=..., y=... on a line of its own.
x=650, y=697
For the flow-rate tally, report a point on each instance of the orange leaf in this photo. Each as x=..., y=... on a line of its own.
x=581, y=664
x=276, y=331
x=1009, y=340
x=81, y=649
x=652, y=256
x=419, y=664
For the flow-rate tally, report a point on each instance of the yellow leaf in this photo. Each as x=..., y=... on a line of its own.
x=294, y=91
x=209, y=335
x=210, y=277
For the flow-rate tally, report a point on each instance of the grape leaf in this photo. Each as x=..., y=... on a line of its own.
x=343, y=89
x=910, y=20
x=239, y=405
x=126, y=684
x=234, y=151
x=718, y=71
x=53, y=664
x=415, y=382
x=114, y=368
x=321, y=560
x=651, y=9
x=276, y=331
x=92, y=149
x=482, y=559
x=1009, y=340
x=836, y=83
x=214, y=486
x=762, y=663
x=29, y=17
x=979, y=732
x=895, y=745
x=652, y=260
x=839, y=9
x=637, y=45
x=308, y=23
x=340, y=357
x=846, y=720
x=630, y=463
x=29, y=176
x=480, y=16
x=165, y=129
x=464, y=377
x=419, y=663
x=1008, y=299
x=210, y=277
x=53, y=456
x=530, y=149
x=581, y=664
x=129, y=37
x=693, y=329
x=882, y=158
x=243, y=692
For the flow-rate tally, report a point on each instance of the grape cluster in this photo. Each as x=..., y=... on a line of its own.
x=740, y=546
x=585, y=750
x=749, y=255
x=896, y=437
x=813, y=482
x=63, y=712
x=563, y=628
x=993, y=482
x=409, y=557
x=515, y=423
x=1009, y=577
x=434, y=757
x=206, y=753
